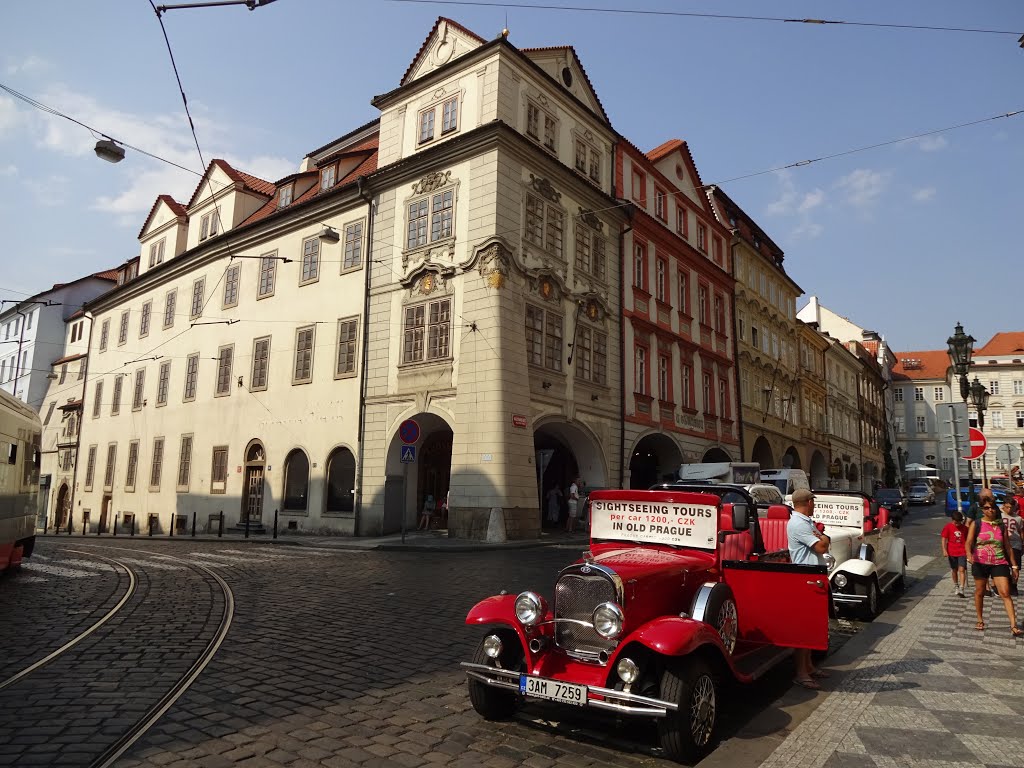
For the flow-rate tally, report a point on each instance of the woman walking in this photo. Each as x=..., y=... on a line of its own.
x=990, y=557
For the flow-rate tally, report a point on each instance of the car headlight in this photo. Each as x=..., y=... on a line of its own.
x=830, y=562
x=841, y=580
x=529, y=608
x=627, y=670
x=608, y=620
x=492, y=646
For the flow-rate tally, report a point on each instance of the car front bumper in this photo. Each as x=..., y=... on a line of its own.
x=620, y=702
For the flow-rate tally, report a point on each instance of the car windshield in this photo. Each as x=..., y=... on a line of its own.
x=919, y=489
x=888, y=495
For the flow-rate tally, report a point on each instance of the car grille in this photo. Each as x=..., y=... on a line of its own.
x=576, y=597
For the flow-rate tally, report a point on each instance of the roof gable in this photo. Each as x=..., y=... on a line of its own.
x=563, y=65
x=447, y=41
x=173, y=207
x=675, y=162
x=250, y=183
x=1003, y=343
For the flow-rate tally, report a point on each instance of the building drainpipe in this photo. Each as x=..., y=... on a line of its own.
x=736, y=344
x=364, y=373
x=622, y=349
x=81, y=424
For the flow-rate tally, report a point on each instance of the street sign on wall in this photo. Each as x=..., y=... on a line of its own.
x=409, y=431
x=976, y=443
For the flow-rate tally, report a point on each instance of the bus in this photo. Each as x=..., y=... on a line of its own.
x=20, y=433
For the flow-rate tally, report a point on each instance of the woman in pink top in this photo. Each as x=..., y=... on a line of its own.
x=990, y=557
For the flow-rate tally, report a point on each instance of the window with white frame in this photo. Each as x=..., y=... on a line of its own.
x=709, y=406
x=133, y=466
x=1019, y=415
x=640, y=266
x=260, y=364
x=140, y=388
x=640, y=371
x=921, y=424
x=348, y=332
x=353, y=246
x=327, y=177
x=209, y=225
x=702, y=304
x=682, y=224
x=939, y=394
x=144, y=319
x=897, y=394
x=157, y=465
x=542, y=126
x=686, y=372
x=184, y=462
x=284, y=195
x=918, y=393
x=900, y=423
x=115, y=401
x=156, y=252
x=430, y=219
x=232, y=277
x=122, y=333
x=426, y=330
x=661, y=204
x=104, y=335
x=170, y=301
x=1018, y=387
x=684, y=293
x=447, y=111
x=702, y=237
x=310, y=260
x=661, y=279
x=225, y=360
x=993, y=386
x=544, y=338
x=302, y=371
x=191, y=377
x=591, y=355
x=997, y=419
x=664, y=381
x=588, y=160
x=590, y=251
x=268, y=274
x=545, y=224
x=198, y=288
x=108, y=473
x=163, y=383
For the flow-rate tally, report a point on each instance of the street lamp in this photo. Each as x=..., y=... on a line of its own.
x=961, y=347
x=979, y=399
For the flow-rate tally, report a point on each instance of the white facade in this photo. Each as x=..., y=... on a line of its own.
x=842, y=371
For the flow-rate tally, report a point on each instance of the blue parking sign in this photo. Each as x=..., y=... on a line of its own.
x=408, y=454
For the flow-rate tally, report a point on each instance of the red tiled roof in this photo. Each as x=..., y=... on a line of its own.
x=107, y=274
x=340, y=139
x=579, y=64
x=369, y=145
x=672, y=145
x=251, y=183
x=430, y=34
x=176, y=208
x=928, y=364
x=664, y=149
x=1004, y=343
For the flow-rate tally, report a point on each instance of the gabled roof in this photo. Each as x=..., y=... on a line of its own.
x=340, y=139
x=250, y=183
x=678, y=145
x=1004, y=343
x=423, y=48
x=583, y=71
x=927, y=364
x=370, y=145
x=176, y=208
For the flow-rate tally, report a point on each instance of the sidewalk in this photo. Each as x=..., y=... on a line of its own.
x=415, y=541
x=927, y=691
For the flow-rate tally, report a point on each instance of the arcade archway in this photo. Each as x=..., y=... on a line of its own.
x=762, y=453
x=407, y=484
x=715, y=455
x=819, y=470
x=563, y=452
x=656, y=457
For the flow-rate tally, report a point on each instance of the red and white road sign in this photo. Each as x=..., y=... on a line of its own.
x=976, y=443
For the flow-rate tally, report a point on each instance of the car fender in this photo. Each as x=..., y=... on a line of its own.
x=897, y=555
x=676, y=636
x=856, y=568
x=499, y=609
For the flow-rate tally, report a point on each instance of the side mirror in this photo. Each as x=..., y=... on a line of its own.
x=740, y=519
x=873, y=506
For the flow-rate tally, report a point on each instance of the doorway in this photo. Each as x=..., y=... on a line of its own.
x=252, y=487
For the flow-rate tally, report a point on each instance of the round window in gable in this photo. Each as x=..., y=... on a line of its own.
x=679, y=170
x=567, y=77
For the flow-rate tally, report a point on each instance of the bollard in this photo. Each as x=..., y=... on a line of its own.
x=115, y=522
x=133, y=525
x=247, y=525
x=98, y=528
x=151, y=526
x=71, y=523
x=193, y=525
x=220, y=524
x=173, y=521
x=275, y=523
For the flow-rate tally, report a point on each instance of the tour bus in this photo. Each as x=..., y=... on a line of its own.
x=735, y=472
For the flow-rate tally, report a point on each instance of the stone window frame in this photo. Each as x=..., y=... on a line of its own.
x=585, y=354
x=97, y=399
x=198, y=298
x=587, y=225
x=551, y=343
x=310, y=262
x=437, y=111
x=122, y=331
x=156, y=464
x=540, y=191
x=115, y=398
x=426, y=329
x=428, y=189
x=311, y=329
x=352, y=321
x=163, y=383
x=110, y=468
x=219, y=487
x=209, y=225
x=537, y=133
x=104, y=334
x=139, y=389
x=353, y=264
x=90, y=466
x=191, y=378
x=131, y=474
x=156, y=252
x=232, y=286
x=170, y=305
x=285, y=195
x=222, y=381
x=254, y=379
x=267, y=275
x=593, y=159
x=186, y=446
x=145, y=318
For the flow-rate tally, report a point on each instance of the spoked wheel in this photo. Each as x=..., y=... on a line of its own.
x=495, y=703
x=870, y=607
x=688, y=734
x=728, y=624
x=720, y=612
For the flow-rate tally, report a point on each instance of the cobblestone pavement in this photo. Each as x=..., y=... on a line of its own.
x=333, y=659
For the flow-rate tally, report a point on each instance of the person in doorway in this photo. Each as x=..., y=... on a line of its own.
x=991, y=558
x=954, y=541
x=1013, y=522
x=807, y=546
x=574, y=505
x=554, y=497
x=427, y=513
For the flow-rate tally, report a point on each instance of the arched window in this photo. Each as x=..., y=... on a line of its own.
x=296, y=482
x=341, y=480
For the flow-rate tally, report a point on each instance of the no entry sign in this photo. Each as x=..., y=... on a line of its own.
x=976, y=443
x=409, y=431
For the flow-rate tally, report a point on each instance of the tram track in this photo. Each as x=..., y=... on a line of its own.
x=82, y=668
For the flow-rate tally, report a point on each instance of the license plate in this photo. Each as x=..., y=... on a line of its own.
x=553, y=690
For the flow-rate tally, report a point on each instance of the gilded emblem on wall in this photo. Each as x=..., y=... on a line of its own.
x=593, y=310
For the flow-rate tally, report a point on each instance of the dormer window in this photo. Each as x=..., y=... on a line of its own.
x=133, y=271
x=327, y=177
x=449, y=119
x=209, y=225
x=156, y=253
x=284, y=197
x=542, y=127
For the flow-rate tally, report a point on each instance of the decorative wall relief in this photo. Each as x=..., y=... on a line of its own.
x=495, y=265
x=591, y=219
x=544, y=188
x=432, y=181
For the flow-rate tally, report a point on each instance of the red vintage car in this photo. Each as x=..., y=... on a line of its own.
x=680, y=590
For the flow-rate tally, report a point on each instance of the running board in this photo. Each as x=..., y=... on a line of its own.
x=756, y=663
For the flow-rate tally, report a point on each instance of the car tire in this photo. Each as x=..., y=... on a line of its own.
x=869, y=609
x=494, y=703
x=719, y=610
x=689, y=733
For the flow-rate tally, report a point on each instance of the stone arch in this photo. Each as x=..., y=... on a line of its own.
x=565, y=450
x=654, y=456
x=819, y=470
x=791, y=458
x=340, y=481
x=714, y=455
x=762, y=453
x=407, y=485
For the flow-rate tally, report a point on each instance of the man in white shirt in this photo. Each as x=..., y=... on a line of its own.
x=574, y=505
x=807, y=546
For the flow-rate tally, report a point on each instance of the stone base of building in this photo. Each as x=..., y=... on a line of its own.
x=472, y=523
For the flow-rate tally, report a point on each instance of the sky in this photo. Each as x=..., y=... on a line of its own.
x=905, y=239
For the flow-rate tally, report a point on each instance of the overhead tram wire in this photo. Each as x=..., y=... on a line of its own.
x=698, y=15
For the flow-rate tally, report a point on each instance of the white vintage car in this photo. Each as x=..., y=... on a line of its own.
x=867, y=555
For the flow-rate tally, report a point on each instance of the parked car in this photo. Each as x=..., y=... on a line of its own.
x=669, y=601
x=867, y=557
x=966, y=498
x=893, y=500
x=920, y=494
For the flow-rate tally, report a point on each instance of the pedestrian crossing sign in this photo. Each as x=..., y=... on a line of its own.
x=408, y=454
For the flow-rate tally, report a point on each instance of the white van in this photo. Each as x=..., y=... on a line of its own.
x=738, y=472
x=786, y=480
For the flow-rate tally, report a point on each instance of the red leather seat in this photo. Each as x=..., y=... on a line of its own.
x=883, y=517
x=737, y=546
x=773, y=528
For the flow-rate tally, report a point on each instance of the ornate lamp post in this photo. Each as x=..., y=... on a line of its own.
x=961, y=348
x=979, y=399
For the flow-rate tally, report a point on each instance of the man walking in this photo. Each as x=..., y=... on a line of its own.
x=807, y=546
x=574, y=505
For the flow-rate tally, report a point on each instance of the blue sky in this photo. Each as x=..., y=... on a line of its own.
x=905, y=239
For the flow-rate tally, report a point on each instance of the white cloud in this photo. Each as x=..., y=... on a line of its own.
x=808, y=230
x=932, y=143
x=30, y=65
x=49, y=191
x=10, y=115
x=811, y=201
x=863, y=186
x=793, y=202
x=6, y=171
x=924, y=194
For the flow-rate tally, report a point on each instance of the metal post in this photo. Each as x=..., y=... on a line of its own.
x=133, y=525
x=220, y=524
x=956, y=455
x=247, y=524
x=115, y=522
x=173, y=521
x=151, y=525
x=275, y=523
x=193, y=525
x=405, y=490
x=71, y=522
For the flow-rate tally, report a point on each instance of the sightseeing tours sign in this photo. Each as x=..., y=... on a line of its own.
x=655, y=522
